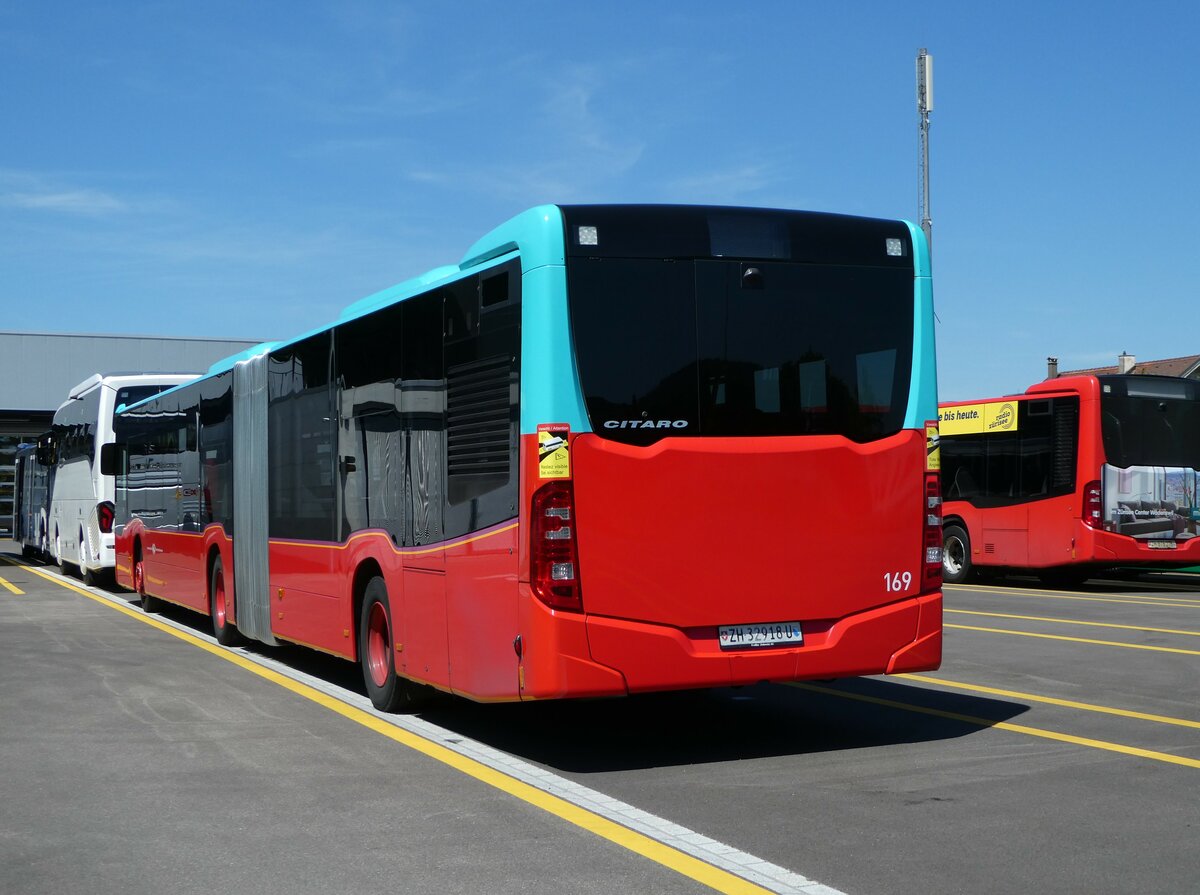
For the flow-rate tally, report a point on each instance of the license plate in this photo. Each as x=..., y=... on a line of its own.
x=754, y=636
x=1161, y=545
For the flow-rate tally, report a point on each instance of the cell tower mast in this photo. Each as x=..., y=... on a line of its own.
x=924, y=107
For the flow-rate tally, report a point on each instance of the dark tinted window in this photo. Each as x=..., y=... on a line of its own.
x=481, y=350
x=423, y=416
x=634, y=325
x=998, y=469
x=300, y=441
x=371, y=440
x=131, y=394
x=727, y=348
x=1150, y=421
x=159, y=481
x=74, y=429
x=216, y=449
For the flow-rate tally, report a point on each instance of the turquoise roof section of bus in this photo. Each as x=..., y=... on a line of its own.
x=400, y=291
x=550, y=391
x=922, y=393
x=232, y=361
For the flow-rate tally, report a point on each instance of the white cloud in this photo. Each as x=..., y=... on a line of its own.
x=89, y=203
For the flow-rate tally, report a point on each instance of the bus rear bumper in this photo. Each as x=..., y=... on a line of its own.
x=1116, y=549
x=900, y=637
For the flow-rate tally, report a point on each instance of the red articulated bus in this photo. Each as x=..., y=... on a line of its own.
x=1076, y=475
x=611, y=451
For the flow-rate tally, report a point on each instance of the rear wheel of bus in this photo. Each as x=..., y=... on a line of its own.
x=219, y=601
x=63, y=566
x=956, y=554
x=389, y=691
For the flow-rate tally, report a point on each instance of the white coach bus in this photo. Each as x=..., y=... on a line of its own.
x=81, y=499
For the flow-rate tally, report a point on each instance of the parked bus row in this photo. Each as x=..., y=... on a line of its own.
x=63, y=504
x=616, y=449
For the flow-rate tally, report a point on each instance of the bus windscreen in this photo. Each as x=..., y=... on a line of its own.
x=1150, y=422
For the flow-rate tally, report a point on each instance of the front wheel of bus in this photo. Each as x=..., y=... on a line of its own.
x=376, y=650
x=224, y=630
x=149, y=603
x=956, y=554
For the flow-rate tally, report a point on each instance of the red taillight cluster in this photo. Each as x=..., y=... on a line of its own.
x=931, y=568
x=1093, y=512
x=554, y=554
x=104, y=515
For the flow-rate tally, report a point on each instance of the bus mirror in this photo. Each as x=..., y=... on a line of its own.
x=45, y=450
x=110, y=459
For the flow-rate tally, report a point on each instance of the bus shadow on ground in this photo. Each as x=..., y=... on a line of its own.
x=1116, y=581
x=679, y=727
x=731, y=724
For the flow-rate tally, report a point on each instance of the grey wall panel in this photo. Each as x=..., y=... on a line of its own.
x=37, y=370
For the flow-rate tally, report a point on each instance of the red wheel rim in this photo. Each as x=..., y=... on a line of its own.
x=379, y=644
x=219, y=599
x=139, y=583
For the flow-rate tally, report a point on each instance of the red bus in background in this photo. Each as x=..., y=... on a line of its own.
x=1076, y=475
x=609, y=452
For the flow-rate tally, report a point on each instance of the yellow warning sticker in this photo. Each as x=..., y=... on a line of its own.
x=933, y=448
x=554, y=451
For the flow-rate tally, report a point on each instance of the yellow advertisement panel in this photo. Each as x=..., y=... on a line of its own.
x=969, y=419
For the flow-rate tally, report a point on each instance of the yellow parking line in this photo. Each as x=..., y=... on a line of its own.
x=1070, y=621
x=11, y=587
x=1051, y=595
x=1065, y=594
x=1005, y=725
x=667, y=856
x=1157, y=649
x=1050, y=700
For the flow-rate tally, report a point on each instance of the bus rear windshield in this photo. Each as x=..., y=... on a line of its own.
x=1150, y=421
x=725, y=347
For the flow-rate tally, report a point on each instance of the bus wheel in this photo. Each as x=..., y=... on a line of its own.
x=223, y=629
x=376, y=650
x=149, y=603
x=63, y=565
x=956, y=554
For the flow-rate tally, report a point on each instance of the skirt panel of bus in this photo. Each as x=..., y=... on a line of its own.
x=453, y=605
x=656, y=657
x=123, y=541
x=1048, y=533
x=695, y=533
x=173, y=562
x=1110, y=548
x=309, y=595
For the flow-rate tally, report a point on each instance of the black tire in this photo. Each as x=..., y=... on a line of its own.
x=389, y=691
x=219, y=599
x=956, y=554
x=63, y=566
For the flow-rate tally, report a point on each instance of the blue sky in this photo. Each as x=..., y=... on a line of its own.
x=245, y=170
